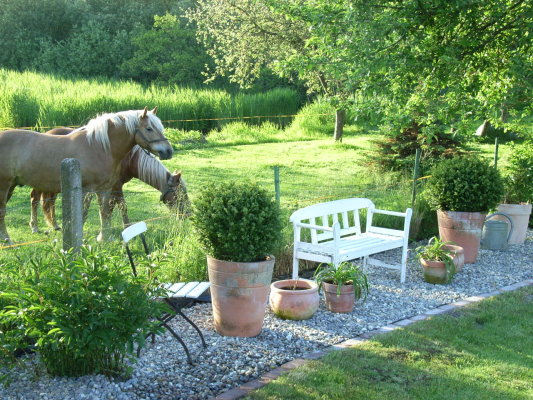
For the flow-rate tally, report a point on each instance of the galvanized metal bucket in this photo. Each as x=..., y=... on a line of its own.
x=496, y=233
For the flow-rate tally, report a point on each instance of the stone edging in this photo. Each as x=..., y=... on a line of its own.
x=268, y=377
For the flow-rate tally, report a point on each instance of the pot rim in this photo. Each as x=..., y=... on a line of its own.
x=277, y=286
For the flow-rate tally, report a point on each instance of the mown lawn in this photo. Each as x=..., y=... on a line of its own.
x=483, y=351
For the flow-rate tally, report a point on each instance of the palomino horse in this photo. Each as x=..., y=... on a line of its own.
x=137, y=164
x=33, y=159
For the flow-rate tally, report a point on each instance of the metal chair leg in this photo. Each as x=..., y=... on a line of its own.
x=189, y=359
x=204, y=344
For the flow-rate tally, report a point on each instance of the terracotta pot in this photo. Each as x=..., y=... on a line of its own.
x=294, y=299
x=342, y=303
x=519, y=214
x=464, y=229
x=435, y=271
x=239, y=294
x=458, y=256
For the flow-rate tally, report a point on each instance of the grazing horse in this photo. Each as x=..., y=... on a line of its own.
x=33, y=159
x=137, y=164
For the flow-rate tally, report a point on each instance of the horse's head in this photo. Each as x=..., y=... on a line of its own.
x=149, y=135
x=175, y=196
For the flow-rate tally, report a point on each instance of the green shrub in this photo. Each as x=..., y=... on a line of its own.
x=84, y=313
x=463, y=184
x=316, y=120
x=237, y=221
x=518, y=176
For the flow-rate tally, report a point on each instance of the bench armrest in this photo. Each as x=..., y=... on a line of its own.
x=315, y=227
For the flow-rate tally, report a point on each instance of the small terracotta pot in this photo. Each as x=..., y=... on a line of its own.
x=239, y=294
x=342, y=303
x=294, y=299
x=435, y=271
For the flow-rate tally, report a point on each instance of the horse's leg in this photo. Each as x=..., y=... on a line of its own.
x=49, y=210
x=35, y=196
x=118, y=200
x=87, y=198
x=105, y=215
x=5, y=193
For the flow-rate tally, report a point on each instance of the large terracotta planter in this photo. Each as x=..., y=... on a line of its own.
x=294, y=299
x=342, y=303
x=435, y=271
x=519, y=214
x=239, y=294
x=464, y=229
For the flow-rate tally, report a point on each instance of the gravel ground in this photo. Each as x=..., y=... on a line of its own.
x=162, y=371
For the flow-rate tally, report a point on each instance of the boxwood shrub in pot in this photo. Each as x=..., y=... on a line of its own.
x=463, y=190
x=239, y=227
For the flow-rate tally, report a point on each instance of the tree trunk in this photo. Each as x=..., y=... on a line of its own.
x=340, y=117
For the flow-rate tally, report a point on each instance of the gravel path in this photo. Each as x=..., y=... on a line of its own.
x=163, y=373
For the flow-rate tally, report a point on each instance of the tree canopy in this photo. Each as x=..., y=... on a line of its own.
x=403, y=62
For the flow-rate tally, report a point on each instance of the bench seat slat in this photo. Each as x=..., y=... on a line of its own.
x=198, y=290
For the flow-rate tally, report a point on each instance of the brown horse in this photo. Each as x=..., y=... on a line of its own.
x=137, y=164
x=33, y=159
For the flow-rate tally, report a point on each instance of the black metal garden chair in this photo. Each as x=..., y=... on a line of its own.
x=178, y=295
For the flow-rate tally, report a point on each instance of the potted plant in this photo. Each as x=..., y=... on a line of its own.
x=239, y=226
x=440, y=260
x=462, y=190
x=518, y=196
x=343, y=285
x=294, y=299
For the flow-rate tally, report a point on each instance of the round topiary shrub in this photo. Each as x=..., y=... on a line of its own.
x=237, y=221
x=465, y=184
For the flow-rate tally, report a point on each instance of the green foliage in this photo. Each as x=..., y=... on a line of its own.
x=84, y=312
x=167, y=54
x=37, y=100
x=237, y=221
x=436, y=250
x=317, y=118
x=345, y=273
x=518, y=175
x=397, y=150
x=463, y=184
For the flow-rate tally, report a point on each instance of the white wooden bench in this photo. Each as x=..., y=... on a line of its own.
x=331, y=233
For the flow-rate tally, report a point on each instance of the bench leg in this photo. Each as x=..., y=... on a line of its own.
x=404, y=263
x=294, y=266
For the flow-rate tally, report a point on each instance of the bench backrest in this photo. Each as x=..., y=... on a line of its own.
x=345, y=212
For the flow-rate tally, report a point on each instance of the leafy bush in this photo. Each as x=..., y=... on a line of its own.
x=237, y=221
x=518, y=176
x=463, y=184
x=84, y=313
x=316, y=119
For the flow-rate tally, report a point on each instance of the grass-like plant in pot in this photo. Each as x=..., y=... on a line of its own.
x=343, y=285
x=440, y=260
x=239, y=226
x=463, y=190
x=518, y=196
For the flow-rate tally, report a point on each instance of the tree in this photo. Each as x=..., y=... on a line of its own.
x=413, y=63
x=168, y=54
x=244, y=36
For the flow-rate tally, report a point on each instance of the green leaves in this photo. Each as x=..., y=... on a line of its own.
x=463, y=184
x=345, y=273
x=237, y=221
x=84, y=313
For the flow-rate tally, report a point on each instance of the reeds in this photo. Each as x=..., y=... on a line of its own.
x=40, y=101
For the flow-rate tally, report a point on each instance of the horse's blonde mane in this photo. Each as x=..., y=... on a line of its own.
x=96, y=128
x=150, y=169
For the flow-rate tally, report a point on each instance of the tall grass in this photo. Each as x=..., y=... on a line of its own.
x=41, y=101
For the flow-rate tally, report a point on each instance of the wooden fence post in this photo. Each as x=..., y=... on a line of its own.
x=72, y=199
